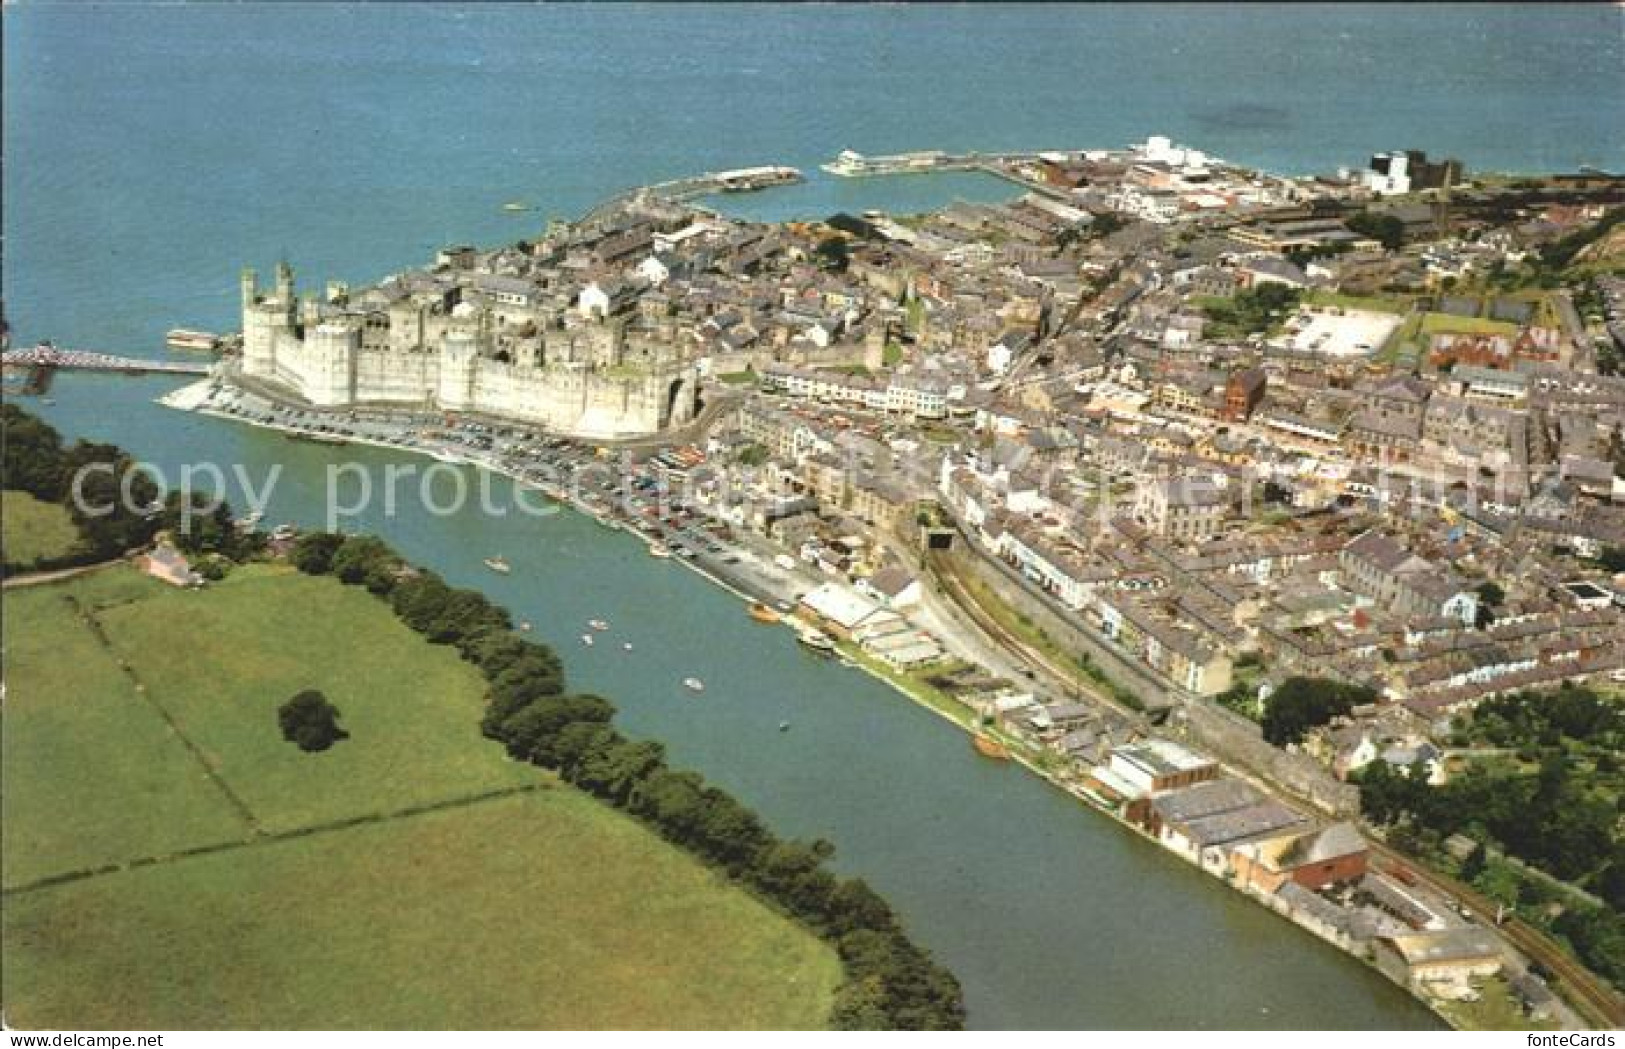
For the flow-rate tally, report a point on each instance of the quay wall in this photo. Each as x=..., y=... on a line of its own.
x=1239, y=742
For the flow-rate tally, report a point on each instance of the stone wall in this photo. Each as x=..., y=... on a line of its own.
x=1238, y=742
x=1064, y=628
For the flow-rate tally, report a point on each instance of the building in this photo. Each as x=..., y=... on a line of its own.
x=1379, y=568
x=1158, y=765
x=486, y=345
x=1185, y=509
x=1443, y=963
x=1242, y=392
x=1313, y=859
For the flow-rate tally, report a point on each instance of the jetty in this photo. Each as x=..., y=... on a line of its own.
x=852, y=164
x=737, y=180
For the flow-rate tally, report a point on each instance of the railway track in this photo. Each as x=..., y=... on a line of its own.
x=1587, y=991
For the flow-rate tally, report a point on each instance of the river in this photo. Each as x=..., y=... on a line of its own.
x=154, y=150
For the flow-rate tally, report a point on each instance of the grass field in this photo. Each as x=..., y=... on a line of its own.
x=1437, y=323
x=92, y=775
x=541, y=910
x=539, y=907
x=31, y=528
x=222, y=660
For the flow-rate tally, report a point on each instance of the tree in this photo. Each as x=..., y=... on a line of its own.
x=1302, y=703
x=313, y=552
x=365, y=560
x=833, y=253
x=310, y=721
x=1474, y=864
x=532, y=733
x=30, y=455
x=1389, y=230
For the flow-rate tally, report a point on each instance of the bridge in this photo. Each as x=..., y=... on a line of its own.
x=54, y=358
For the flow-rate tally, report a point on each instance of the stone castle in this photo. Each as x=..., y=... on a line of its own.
x=467, y=342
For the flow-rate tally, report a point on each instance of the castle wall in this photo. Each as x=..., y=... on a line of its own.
x=397, y=378
x=346, y=361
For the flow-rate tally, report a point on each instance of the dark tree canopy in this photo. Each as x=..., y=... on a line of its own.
x=1303, y=703
x=309, y=721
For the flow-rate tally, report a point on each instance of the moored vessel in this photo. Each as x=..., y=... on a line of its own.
x=989, y=747
x=816, y=640
x=693, y=684
x=188, y=339
x=763, y=614
x=498, y=564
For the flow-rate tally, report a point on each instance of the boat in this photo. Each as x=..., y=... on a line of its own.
x=626, y=646
x=598, y=624
x=312, y=436
x=816, y=640
x=497, y=564
x=187, y=339
x=517, y=205
x=586, y=639
x=784, y=726
x=989, y=747
x=693, y=684
x=762, y=613
x=657, y=550
x=525, y=626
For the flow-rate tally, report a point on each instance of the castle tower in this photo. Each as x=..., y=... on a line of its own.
x=265, y=322
x=459, y=355
x=249, y=281
x=284, y=284
x=331, y=350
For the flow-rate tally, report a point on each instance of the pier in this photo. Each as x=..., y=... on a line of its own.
x=851, y=164
x=739, y=180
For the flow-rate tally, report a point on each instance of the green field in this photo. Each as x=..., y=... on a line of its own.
x=513, y=901
x=31, y=528
x=541, y=910
x=1438, y=323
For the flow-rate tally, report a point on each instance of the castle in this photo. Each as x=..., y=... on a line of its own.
x=468, y=342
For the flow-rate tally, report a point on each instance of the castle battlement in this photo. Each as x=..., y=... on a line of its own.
x=443, y=351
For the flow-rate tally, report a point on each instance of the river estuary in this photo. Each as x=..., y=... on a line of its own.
x=157, y=149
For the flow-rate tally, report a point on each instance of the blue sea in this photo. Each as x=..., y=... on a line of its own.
x=152, y=151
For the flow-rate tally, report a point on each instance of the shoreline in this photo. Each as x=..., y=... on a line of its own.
x=1017, y=751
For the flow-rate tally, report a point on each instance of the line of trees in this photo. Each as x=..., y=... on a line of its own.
x=1561, y=816
x=891, y=982
x=35, y=461
x=117, y=506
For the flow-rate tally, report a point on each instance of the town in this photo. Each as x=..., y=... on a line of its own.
x=1267, y=514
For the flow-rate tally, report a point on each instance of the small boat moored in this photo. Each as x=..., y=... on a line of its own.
x=693, y=684
x=187, y=339
x=586, y=639
x=763, y=614
x=498, y=564
x=816, y=640
x=598, y=624
x=658, y=550
x=989, y=747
